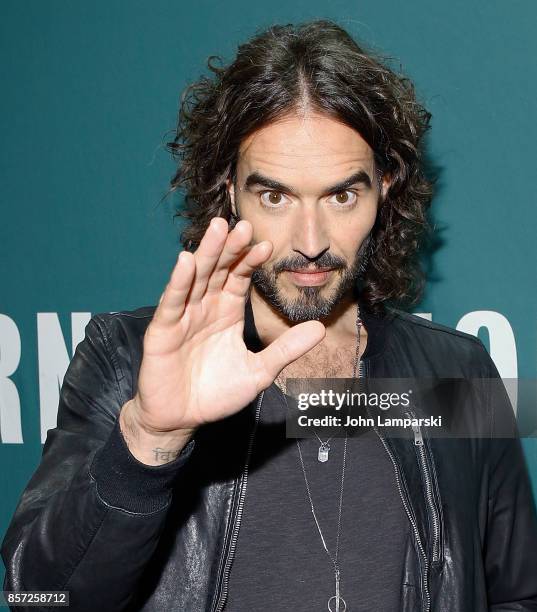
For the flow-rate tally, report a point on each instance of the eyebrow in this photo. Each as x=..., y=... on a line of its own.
x=255, y=178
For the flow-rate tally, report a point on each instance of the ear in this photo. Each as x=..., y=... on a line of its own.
x=231, y=190
x=385, y=186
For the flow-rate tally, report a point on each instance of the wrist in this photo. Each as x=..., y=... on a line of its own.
x=147, y=445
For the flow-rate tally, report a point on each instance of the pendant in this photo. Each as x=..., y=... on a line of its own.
x=323, y=452
x=340, y=603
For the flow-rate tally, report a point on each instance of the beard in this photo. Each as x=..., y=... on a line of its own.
x=310, y=303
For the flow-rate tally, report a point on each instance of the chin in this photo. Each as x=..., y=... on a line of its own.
x=297, y=304
x=309, y=305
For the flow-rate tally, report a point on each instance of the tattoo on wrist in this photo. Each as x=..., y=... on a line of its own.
x=164, y=455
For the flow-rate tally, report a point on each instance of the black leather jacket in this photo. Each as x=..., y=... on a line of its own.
x=120, y=535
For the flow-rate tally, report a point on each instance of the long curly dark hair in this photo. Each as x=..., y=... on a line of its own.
x=271, y=74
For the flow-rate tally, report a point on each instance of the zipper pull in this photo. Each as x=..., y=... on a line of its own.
x=418, y=438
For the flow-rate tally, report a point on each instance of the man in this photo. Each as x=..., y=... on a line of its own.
x=169, y=482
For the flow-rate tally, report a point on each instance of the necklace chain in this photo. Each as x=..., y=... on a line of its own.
x=333, y=559
x=324, y=445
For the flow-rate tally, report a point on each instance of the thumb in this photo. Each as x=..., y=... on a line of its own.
x=291, y=345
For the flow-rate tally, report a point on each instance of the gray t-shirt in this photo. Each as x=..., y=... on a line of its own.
x=280, y=563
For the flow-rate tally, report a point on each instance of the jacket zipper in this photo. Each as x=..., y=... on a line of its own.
x=425, y=572
x=418, y=441
x=223, y=581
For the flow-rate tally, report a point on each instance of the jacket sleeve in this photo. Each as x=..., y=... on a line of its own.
x=91, y=516
x=510, y=551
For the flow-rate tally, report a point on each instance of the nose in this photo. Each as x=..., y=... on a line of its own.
x=310, y=234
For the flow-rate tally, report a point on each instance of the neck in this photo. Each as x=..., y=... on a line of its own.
x=340, y=324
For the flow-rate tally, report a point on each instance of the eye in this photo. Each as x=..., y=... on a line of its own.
x=272, y=199
x=344, y=198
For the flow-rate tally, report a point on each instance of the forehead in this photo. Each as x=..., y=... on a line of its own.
x=309, y=147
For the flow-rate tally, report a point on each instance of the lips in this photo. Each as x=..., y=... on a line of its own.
x=310, y=277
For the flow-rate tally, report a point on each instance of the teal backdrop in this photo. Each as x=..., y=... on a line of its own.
x=89, y=91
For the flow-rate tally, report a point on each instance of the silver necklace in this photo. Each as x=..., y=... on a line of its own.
x=324, y=447
x=336, y=599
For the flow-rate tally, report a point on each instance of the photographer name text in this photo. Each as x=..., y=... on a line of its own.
x=360, y=421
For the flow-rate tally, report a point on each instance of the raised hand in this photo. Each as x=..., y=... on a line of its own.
x=195, y=367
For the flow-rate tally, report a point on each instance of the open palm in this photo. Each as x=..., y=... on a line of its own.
x=196, y=367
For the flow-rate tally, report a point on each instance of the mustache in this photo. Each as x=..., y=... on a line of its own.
x=300, y=264
x=327, y=260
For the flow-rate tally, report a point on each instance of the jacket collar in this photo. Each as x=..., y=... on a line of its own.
x=376, y=326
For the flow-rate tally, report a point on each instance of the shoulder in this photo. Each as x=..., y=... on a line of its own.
x=138, y=318
x=419, y=325
x=125, y=327
x=439, y=343
x=114, y=343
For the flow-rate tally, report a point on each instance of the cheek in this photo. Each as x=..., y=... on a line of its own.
x=354, y=228
x=347, y=238
x=276, y=230
x=369, y=212
x=366, y=224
